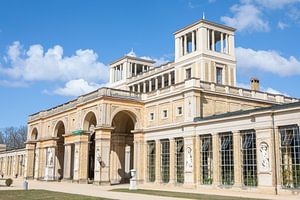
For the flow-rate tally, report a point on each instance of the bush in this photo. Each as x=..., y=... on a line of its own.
x=8, y=182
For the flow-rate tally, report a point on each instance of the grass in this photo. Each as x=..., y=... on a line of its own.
x=181, y=194
x=41, y=194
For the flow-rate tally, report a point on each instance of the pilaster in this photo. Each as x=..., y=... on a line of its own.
x=157, y=161
x=237, y=159
x=139, y=159
x=172, y=161
x=216, y=159
x=102, y=155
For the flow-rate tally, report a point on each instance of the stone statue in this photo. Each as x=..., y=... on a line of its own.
x=50, y=157
x=265, y=161
x=189, y=159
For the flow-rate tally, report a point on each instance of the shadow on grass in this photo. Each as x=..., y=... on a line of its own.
x=181, y=194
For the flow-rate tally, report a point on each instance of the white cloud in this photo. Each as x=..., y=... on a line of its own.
x=246, y=17
x=77, y=87
x=276, y=4
x=268, y=61
x=281, y=25
x=35, y=64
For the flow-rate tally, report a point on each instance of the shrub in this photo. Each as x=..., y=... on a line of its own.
x=8, y=182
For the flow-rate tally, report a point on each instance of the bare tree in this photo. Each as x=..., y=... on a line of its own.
x=13, y=137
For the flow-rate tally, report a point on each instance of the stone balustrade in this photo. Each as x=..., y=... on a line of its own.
x=85, y=98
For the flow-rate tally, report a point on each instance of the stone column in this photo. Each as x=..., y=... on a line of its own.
x=170, y=79
x=216, y=159
x=40, y=162
x=197, y=159
x=222, y=43
x=138, y=87
x=185, y=44
x=29, y=171
x=227, y=44
x=231, y=45
x=193, y=41
x=163, y=81
x=208, y=40
x=135, y=69
x=139, y=159
x=157, y=161
x=67, y=162
x=177, y=48
x=156, y=83
x=213, y=40
x=144, y=87
x=83, y=159
x=172, y=161
x=130, y=70
x=237, y=159
x=102, y=155
x=150, y=85
x=76, y=161
x=180, y=46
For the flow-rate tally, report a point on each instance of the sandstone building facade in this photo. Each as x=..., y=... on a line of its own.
x=184, y=123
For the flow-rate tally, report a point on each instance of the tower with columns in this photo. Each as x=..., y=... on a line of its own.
x=203, y=50
x=127, y=67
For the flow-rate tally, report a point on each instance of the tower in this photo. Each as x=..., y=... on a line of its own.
x=206, y=50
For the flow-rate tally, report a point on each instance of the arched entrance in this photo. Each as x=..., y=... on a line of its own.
x=89, y=125
x=60, y=151
x=121, y=147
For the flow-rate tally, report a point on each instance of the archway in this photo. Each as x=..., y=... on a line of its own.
x=122, y=147
x=60, y=151
x=89, y=125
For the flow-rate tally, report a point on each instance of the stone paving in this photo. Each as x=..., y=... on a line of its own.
x=103, y=191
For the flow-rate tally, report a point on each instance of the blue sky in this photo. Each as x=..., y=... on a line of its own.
x=52, y=51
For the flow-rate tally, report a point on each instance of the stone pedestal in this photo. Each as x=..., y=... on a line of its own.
x=133, y=183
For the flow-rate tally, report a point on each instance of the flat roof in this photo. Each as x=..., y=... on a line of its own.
x=206, y=22
x=133, y=58
x=244, y=112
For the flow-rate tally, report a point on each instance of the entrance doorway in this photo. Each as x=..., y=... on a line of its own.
x=121, y=147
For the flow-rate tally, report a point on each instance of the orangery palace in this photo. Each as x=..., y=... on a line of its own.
x=184, y=123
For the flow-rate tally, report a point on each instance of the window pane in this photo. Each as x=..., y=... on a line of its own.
x=179, y=156
x=165, y=161
x=226, y=164
x=206, y=159
x=290, y=156
x=151, y=161
x=249, y=165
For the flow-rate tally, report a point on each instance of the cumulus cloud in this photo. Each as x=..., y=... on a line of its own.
x=35, y=64
x=246, y=17
x=268, y=61
x=77, y=87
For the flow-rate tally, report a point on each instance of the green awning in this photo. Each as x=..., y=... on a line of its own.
x=78, y=132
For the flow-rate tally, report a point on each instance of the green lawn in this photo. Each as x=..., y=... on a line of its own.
x=181, y=195
x=41, y=194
